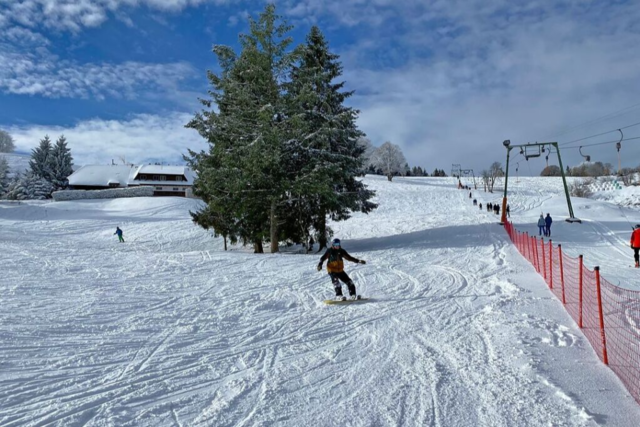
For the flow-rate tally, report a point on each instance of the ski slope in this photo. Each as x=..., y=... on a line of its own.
x=170, y=330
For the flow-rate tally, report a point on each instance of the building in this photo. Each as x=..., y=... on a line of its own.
x=174, y=181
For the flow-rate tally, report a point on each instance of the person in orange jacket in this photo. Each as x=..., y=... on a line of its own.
x=335, y=267
x=635, y=244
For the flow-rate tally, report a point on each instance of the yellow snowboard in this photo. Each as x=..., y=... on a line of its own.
x=348, y=301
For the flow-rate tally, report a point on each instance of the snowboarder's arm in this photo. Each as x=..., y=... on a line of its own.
x=322, y=259
x=348, y=257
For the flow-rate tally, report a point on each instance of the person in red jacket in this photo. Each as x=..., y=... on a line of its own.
x=335, y=267
x=635, y=244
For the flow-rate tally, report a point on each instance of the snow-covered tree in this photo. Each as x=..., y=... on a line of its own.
x=389, y=158
x=4, y=176
x=60, y=164
x=6, y=142
x=29, y=187
x=40, y=162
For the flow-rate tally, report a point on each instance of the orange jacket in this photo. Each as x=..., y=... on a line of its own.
x=635, y=238
x=335, y=256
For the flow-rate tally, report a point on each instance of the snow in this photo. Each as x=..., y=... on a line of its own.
x=102, y=175
x=168, y=329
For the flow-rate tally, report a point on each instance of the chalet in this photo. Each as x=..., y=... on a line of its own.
x=167, y=180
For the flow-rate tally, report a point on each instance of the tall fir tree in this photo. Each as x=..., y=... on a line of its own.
x=241, y=176
x=40, y=162
x=60, y=164
x=4, y=177
x=323, y=148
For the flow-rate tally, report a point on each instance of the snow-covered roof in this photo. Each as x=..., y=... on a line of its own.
x=102, y=175
x=165, y=170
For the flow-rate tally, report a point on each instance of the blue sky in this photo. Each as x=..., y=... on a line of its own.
x=445, y=80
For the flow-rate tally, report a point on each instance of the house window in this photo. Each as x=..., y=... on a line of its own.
x=159, y=188
x=176, y=189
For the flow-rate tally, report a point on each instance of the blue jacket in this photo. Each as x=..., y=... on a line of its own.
x=541, y=222
x=548, y=220
x=118, y=232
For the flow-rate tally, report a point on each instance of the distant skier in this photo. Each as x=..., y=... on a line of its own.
x=547, y=223
x=508, y=211
x=541, y=226
x=469, y=193
x=335, y=268
x=119, y=233
x=480, y=206
x=635, y=244
x=475, y=202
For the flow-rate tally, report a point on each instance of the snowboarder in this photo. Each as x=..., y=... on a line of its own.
x=119, y=233
x=508, y=212
x=635, y=244
x=335, y=268
x=547, y=223
x=541, y=226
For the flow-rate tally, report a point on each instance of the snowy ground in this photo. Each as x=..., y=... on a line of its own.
x=168, y=329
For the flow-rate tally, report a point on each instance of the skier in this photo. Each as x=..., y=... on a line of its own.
x=335, y=268
x=119, y=233
x=469, y=193
x=547, y=223
x=475, y=202
x=635, y=244
x=480, y=206
x=508, y=211
x=541, y=226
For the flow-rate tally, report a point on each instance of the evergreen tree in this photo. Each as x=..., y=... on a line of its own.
x=29, y=187
x=40, y=162
x=4, y=176
x=60, y=164
x=241, y=177
x=325, y=145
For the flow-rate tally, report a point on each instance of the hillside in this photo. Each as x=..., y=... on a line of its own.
x=168, y=329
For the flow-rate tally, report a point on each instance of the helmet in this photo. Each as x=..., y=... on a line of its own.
x=637, y=226
x=335, y=242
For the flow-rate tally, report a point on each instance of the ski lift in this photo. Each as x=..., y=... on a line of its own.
x=586, y=157
x=531, y=151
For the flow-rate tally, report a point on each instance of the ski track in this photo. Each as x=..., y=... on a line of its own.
x=168, y=329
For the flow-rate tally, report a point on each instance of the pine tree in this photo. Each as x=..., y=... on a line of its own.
x=60, y=164
x=29, y=187
x=40, y=162
x=6, y=142
x=241, y=177
x=325, y=145
x=4, y=177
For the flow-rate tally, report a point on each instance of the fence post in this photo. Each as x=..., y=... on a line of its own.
x=525, y=246
x=564, y=301
x=605, y=357
x=580, y=292
x=535, y=253
x=550, y=265
x=544, y=261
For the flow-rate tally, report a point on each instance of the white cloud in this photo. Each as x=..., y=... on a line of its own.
x=139, y=139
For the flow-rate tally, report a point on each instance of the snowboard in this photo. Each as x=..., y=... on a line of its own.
x=348, y=301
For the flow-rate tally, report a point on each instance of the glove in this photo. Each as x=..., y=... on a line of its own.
x=319, y=267
x=362, y=261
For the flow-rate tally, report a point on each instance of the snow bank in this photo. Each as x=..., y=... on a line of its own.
x=114, y=193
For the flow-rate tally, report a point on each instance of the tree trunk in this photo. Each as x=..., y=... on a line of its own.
x=274, y=229
x=225, y=242
x=257, y=247
x=322, y=234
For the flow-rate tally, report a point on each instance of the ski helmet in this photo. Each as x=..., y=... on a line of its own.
x=335, y=242
x=637, y=226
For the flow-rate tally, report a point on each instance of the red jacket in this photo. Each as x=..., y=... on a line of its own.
x=635, y=238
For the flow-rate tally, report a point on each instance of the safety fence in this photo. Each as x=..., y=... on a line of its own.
x=608, y=315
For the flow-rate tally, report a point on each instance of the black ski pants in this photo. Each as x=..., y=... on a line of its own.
x=636, y=254
x=342, y=276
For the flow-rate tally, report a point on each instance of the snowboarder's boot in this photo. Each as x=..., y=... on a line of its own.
x=338, y=291
x=352, y=289
x=637, y=264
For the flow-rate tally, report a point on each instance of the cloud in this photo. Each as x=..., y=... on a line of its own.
x=140, y=139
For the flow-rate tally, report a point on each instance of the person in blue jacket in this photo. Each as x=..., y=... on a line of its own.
x=541, y=226
x=119, y=233
x=547, y=223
